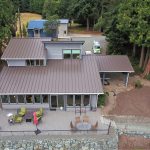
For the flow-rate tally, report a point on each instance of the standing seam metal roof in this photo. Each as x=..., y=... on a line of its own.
x=25, y=48
x=58, y=77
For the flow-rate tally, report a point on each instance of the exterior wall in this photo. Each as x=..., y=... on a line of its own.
x=94, y=101
x=30, y=33
x=16, y=63
x=54, y=51
x=42, y=34
x=61, y=29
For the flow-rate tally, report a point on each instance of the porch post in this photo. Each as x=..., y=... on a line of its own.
x=1, y=105
x=103, y=79
x=126, y=79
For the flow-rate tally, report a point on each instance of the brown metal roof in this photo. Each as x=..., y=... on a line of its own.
x=58, y=77
x=114, y=63
x=25, y=48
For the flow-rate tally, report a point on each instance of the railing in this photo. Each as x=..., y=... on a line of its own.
x=55, y=132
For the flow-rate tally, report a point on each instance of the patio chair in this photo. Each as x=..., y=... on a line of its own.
x=72, y=126
x=17, y=119
x=77, y=120
x=40, y=112
x=22, y=111
x=85, y=119
x=94, y=127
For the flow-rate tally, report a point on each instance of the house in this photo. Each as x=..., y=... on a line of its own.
x=54, y=74
x=36, y=29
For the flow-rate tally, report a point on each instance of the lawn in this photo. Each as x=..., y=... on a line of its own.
x=26, y=17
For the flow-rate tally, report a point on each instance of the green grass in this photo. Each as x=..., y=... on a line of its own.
x=102, y=99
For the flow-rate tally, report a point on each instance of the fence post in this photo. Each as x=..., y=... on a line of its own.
x=109, y=128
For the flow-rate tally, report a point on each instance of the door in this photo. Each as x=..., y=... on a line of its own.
x=54, y=101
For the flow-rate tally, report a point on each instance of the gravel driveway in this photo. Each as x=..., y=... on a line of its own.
x=89, y=41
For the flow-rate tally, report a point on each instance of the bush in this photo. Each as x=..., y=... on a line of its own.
x=148, y=77
x=102, y=99
x=138, y=84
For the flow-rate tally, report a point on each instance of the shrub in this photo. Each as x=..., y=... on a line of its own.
x=147, y=77
x=102, y=99
x=138, y=84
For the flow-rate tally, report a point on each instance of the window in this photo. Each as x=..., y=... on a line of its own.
x=70, y=100
x=65, y=32
x=86, y=100
x=41, y=62
x=71, y=54
x=35, y=62
x=5, y=99
x=45, y=98
x=29, y=99
x=78, y=100
x=13, y=98
x=60, y=101
x=37, y=99
x=76, y=54
x=67, y=54
x=20, y=98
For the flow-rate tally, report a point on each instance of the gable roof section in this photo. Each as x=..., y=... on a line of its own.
x=25, y=48
x=114, y=63
x=39, y=24
x=58, y=77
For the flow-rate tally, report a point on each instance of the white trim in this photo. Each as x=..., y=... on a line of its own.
x=116, y=71
x=50, y=93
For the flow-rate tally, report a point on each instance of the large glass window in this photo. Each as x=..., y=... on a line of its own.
x=86, y=100
x=29, y=99
x=20, y=98
x=37, y=62
x=78, y=100
x=54, y=101
x=60, y=101
x=45, y=98
x=70, y=100
x=41, y=62
x=5, y=99
x=13, y=98
x=37, y=99
x=76, y=54
x=67, y=54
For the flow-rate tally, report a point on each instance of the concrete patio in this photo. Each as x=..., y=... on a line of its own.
x=53, y=123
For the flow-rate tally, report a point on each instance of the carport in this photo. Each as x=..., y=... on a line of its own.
x=114, y=64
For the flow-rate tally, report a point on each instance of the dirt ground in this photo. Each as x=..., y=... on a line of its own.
x=135, y=102
x=133, y=143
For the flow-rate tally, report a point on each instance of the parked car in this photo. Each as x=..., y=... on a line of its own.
x=96, y=47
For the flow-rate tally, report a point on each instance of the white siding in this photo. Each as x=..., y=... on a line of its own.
x=54, y=51
x=16, y=62
x=62, y=28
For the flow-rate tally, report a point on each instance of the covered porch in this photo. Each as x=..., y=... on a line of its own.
x=67, y=102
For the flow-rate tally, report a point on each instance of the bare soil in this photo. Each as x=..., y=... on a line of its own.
x=133, y=143
x=135, y=102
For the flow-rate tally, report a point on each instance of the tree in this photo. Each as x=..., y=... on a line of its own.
x=7, y=22
x=50, y=8
x=24, y=31
x=133, y=17
x=51, y=26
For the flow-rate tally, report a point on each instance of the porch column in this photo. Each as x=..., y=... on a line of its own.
x=126, y=79
x=103, y=79
x=1, y=105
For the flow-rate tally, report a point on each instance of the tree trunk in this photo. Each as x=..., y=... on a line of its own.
x=87, y=24
x=146, y=58
x=93, y=24
x=134, y=50
x=147, y=69
x=142, y=57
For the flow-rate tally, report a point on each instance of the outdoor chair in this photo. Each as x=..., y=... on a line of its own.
x=22, y=111
x=72, y=126
x=77, y=120
x=85, y=119
x=94, y=127
x=40, y=112
x=17, y=119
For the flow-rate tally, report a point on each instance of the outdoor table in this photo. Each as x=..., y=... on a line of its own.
x=83, y=126
x=29, y=116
